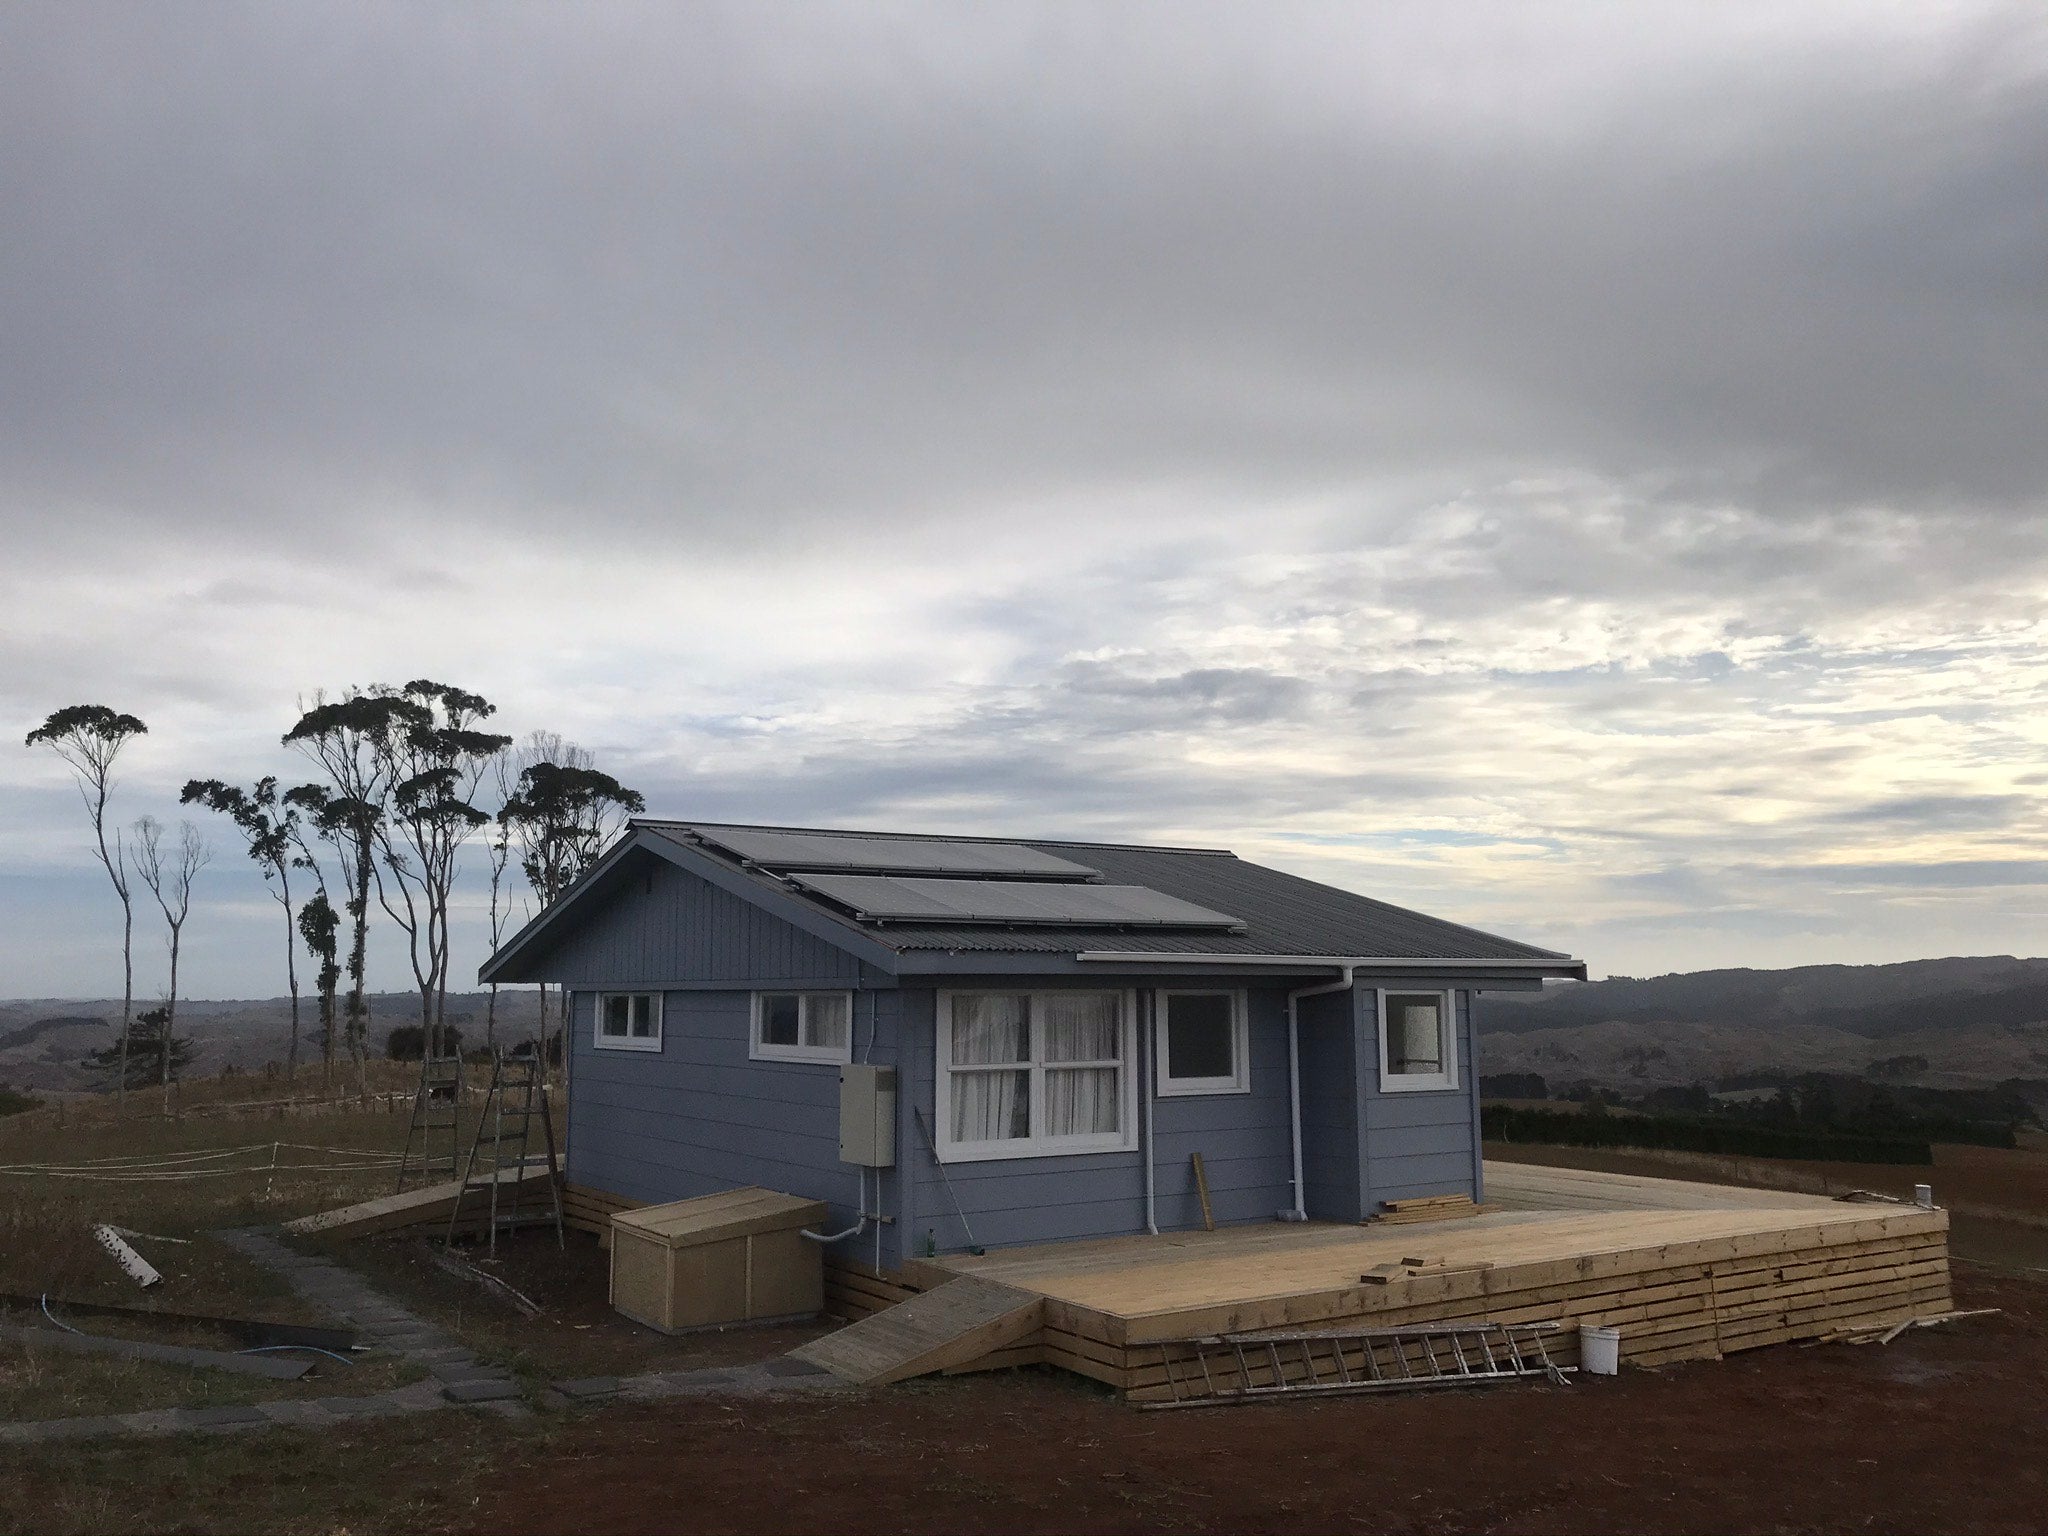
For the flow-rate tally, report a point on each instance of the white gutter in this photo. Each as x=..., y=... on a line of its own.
x=1559, y=965
x=1300, y=1211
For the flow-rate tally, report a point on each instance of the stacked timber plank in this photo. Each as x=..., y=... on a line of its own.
x=591, y=1210
x=1686, y=1301
x=1427, y=1208
x=853, y=1290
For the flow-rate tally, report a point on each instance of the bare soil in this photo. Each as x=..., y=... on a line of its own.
x=1943, y=1430
x=577, y=1334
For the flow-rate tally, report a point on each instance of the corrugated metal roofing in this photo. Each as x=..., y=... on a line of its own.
x=1283, y=914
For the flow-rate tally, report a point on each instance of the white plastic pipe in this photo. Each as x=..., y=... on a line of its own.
x=1300, y=1211
x=857, y=1228
x=1148, y=1069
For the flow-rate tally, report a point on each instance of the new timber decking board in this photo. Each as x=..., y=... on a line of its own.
x=430, y=1202
x=955, y=1324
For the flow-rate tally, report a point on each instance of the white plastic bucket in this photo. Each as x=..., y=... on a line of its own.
x=1599, y=1350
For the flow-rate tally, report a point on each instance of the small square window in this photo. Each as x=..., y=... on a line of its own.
x=1202, y=1044
x=802, y=1026
x=1418, y=1041
x=628, y=1021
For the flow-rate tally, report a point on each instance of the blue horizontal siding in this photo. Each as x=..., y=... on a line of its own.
x=698, y=1116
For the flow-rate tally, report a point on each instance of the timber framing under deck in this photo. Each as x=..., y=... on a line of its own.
x=1686, y=1271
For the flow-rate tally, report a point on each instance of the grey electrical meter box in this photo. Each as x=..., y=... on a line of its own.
x=867, y=1115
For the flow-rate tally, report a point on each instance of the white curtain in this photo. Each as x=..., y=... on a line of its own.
x=826, y=1021
x=988, y=1030
x=1416, y=1028
x=1082, y=1027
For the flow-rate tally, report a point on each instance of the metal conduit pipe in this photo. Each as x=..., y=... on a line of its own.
x=1300, y=1211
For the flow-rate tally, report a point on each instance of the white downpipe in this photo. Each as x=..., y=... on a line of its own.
x=1300, y=1211
x=1148, y=1067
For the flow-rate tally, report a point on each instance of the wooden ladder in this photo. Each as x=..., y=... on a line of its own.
x=1242, y=1367
x=517, y=1098
x=436, y=1117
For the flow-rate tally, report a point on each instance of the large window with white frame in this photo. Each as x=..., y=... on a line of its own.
x=1418, y=1041
x=1034, y=1074
x=1200, y=1040
x=802, y=1026
x=628, y=1021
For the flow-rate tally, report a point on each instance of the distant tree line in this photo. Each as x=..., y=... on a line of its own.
x=1693, y=1133
x=404, y=779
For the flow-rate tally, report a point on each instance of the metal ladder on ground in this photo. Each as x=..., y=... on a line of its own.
x=1242, y=1367
x=517, y=1099
x=436, y=1117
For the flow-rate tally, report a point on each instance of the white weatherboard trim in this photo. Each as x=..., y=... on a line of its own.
x=760, y=1050
x=1125, y=1139
x=601, y=1041
x=1447, y=1042
x=1240, y=1078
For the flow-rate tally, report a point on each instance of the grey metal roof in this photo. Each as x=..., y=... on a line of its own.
x=1283, y=914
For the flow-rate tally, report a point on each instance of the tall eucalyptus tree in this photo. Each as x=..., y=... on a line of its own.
x=88, y=738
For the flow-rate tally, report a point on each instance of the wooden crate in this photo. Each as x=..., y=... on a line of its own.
x=734, y=1257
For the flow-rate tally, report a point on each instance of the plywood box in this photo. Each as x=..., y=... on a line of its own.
x=734, y=1257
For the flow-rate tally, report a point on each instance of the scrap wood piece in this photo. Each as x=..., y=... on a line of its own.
x=1412, y=1269
x=269, y=1366
x=1879, y=1333
x=139, y=1269
x=504, y=1290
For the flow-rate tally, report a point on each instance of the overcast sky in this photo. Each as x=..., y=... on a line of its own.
x=1574, y=469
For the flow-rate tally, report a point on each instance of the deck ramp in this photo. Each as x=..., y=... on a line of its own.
x=949, y=1325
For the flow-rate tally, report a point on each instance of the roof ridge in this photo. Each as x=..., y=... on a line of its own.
x=927, y=837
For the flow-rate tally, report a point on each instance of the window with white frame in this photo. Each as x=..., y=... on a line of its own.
x=1418, y=1041
x=803, y=1026
x=629, y=1021
x=1034, y=1074
x=1201, y=1043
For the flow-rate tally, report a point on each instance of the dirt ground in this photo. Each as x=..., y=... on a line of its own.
x=1945, y=1430
x=578, y=1333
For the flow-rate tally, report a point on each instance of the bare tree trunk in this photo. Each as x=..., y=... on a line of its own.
x=291, y=974
x=170, y=1023
x=127, y=994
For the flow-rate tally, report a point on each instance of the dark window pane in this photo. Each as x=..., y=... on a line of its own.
x=643, y=1017
x=779, y=1024
x=617, y=1012
x=1200, y=1039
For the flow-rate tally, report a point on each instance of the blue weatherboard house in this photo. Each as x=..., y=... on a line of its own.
x=961, y=1042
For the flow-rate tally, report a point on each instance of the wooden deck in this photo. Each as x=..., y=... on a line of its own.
x=1686, y=1271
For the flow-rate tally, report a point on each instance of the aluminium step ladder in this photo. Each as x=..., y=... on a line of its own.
x=1243, y=1367
x=515, y=1114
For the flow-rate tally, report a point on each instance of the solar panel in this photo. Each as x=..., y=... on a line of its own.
x=900, y=855
x=894, y=898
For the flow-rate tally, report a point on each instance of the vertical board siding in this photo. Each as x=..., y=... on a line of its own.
x=656, y=923
x=1329, y=1109
x=1415, y=1144
x=698, y=1117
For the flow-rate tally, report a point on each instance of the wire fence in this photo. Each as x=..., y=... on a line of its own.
x=261, y=1157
